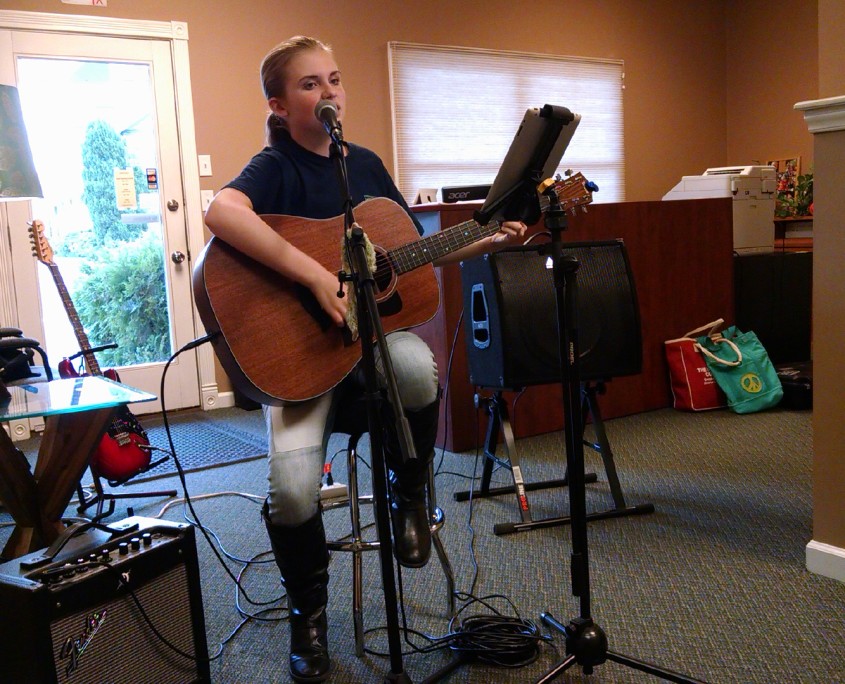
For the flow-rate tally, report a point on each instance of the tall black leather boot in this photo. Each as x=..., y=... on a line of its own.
x=408, y=507
x=303, y=560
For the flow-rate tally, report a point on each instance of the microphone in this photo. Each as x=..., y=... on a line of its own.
x=326, y=112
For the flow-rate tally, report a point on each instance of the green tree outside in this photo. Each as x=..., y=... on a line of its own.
x=122, y=298
x=103, y=151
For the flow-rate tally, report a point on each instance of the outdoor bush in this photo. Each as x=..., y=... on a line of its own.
x=124, y=300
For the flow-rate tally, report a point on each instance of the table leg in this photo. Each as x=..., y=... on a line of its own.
x=19, y=494
x=68, y=441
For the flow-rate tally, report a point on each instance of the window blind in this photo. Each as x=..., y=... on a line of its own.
x=456, y=111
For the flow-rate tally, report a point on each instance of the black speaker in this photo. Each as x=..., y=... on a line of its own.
x=510, y=315
x=774, y=298
x=75, y=620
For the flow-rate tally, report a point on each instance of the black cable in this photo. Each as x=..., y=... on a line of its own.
x=437, y=470
x=181, y=472
x=205, y=531
x=494, y=638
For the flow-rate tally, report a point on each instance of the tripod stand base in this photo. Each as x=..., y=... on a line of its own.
x=586, y=645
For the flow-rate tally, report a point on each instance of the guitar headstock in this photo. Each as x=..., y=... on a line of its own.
x=40, y=247
x=572, y=191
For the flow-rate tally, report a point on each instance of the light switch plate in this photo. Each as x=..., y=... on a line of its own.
x=204, y=164
x=205, y=197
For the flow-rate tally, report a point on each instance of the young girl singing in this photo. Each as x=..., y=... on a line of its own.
x=294, y=175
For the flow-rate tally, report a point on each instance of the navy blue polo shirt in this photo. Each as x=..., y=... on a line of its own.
x=288, y=179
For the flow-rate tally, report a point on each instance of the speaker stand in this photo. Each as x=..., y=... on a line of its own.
x=499, y=421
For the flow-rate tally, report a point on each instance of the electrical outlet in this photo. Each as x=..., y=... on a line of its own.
x=205, y=197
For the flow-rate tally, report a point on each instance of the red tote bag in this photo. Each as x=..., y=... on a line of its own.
x=693, y=386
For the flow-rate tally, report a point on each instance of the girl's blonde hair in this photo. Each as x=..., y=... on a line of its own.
x=274, y=73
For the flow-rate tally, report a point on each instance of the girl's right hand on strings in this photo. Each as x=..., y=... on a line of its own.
x=325, y=289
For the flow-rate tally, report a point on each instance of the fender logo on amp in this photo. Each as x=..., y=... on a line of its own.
x=74, y=648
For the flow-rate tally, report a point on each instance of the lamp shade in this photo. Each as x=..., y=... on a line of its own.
x=18, y=179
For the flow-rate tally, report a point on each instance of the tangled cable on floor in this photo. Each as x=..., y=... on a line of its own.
x=496, y=639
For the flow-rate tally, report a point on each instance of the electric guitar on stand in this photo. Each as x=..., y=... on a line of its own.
x=123, y=450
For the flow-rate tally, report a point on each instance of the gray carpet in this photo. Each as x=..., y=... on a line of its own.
x=201, y=439
x=205, y=439
x=713, y=584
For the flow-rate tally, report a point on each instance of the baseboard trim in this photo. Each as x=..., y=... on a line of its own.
x=826, y=560
x=225, y=400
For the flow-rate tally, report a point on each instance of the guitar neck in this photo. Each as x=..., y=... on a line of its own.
x=429, y=249
x=78, y=330
x=570, y=193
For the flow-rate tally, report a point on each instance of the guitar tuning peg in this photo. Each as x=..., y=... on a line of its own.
x=567, y=173
x=584, y=208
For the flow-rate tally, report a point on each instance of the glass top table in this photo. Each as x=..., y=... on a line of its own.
x=69, y=395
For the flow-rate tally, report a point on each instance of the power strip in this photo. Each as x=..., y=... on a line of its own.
x=333, y=491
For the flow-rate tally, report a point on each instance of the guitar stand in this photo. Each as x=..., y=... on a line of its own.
x=498, y=421
x=100, y=496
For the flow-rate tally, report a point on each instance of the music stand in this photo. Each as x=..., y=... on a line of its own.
x=534, y=155
x=586, y=642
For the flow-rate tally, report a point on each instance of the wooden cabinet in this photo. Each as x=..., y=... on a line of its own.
x=681, y=256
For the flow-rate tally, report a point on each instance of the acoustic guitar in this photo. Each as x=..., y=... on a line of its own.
x=273, y=339
x=121, y=452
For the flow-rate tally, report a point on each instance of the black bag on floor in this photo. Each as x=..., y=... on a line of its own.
x=797, y=381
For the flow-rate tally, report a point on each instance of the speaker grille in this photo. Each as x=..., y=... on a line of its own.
x=524, y=297
x=123, y=649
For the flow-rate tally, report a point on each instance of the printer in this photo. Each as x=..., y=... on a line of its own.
x=753, y=190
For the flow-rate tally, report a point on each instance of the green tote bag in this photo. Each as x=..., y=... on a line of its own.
x=742, y=368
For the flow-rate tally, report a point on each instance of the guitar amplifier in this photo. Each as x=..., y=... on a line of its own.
x=90, y=614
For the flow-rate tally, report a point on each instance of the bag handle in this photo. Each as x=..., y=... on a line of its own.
x=715, y=358
x=710, y=327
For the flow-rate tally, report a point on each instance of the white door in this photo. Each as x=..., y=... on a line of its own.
x=102, y=123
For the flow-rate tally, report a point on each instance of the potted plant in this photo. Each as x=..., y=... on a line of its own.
x=798, y=201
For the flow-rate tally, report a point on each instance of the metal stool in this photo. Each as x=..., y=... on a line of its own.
x=356, y=544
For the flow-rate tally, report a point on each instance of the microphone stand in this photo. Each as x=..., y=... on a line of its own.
x=369, y=326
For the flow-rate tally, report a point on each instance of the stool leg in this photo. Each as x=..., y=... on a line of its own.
x=438, y=543
x=447, y=570
x=357, y=565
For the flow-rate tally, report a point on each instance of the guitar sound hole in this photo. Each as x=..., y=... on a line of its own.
x=385, y=280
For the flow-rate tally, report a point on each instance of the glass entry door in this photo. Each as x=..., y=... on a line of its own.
x=113, y=271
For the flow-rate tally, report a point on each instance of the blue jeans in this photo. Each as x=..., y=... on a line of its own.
x=298, y=433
